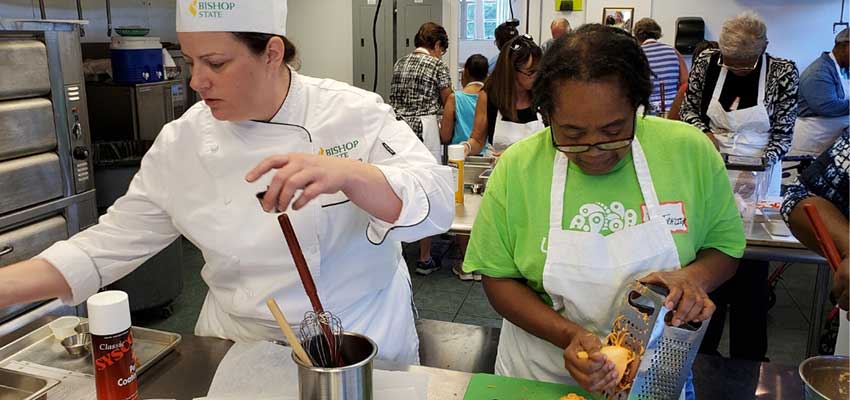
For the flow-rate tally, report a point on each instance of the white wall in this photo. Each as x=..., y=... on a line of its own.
x=798, y=30
x=322, y=31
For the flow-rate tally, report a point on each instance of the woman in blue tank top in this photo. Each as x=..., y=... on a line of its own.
x=459, y=113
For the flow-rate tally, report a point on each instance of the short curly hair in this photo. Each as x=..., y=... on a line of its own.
x=744, y=36
x=593, y=52
x=429, y=35
x=647, y=28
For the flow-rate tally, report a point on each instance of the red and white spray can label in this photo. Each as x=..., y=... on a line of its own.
x=115, y=366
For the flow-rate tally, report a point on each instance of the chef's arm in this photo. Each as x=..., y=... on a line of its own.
x=30, y=281
x=515, y=301
x=416, y=195
x=369, y=189
x=835, y=222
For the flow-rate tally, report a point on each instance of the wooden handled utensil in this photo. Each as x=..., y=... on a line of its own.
x=288, y=333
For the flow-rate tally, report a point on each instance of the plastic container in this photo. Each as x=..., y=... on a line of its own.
x=136, y=59
x=457, y=155
x=63, y=327
x=112, y=346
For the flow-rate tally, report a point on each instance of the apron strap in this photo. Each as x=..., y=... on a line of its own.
x=556, y=194
x=718, y=87
x=647, y=188
x=762, y=79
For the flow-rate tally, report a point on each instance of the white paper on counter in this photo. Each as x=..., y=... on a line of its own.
x=72, y=385
x=264, y=370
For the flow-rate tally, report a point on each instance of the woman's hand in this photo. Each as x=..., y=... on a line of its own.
x=594, y=373
x=689, y=301
x=314, y=174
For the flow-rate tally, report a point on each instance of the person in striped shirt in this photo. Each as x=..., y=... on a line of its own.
x=668, y=66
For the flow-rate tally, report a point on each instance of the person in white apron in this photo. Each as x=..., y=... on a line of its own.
x=823, y=105
x=420, y=86
x=749, y=112
x=354, y=180
x=514, y=74
x=744, y=132
x=528, y=256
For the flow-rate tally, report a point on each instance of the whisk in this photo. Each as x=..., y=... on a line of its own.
x=314, y=327
x=320, y=326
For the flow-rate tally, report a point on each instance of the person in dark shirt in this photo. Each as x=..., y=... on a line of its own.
x=504, y=113
x=825, y=185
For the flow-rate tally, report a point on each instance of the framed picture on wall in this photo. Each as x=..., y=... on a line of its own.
x=569, y=5
x=619, y=17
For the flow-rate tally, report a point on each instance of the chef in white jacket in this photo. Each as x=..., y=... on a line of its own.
x=354, y=180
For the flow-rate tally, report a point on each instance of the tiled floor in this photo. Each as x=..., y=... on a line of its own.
x=442, y=296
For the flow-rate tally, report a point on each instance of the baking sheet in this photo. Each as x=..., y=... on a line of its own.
x=40, y=347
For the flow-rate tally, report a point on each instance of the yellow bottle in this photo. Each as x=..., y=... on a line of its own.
x=456, y=157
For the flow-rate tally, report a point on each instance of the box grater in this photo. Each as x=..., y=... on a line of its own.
x=669, y=351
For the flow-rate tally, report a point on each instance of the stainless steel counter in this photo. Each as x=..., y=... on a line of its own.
x=187, y=372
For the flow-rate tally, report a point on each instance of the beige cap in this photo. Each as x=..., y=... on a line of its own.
x=258, y=16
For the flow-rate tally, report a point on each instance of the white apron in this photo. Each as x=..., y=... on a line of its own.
x=586, y=275
x=235, y=308
x=507, y=133
x=430, y=124
x=431, y=136
x=744, y=132
x=813, y=135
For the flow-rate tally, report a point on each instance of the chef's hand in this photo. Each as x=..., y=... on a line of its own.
x=595, y=373
x=689, y=300
x=841, y=287
x=312, y=173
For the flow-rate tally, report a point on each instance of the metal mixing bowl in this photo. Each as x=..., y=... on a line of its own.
x=826, y=377
x=77, y=345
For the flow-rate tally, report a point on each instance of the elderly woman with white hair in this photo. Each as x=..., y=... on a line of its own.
x=745, y=101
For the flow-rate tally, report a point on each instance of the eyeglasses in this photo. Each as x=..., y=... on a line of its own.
x=609, y=145
x=738, y=69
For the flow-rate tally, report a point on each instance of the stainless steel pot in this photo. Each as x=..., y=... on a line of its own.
x=351, y=382
x=826, y=377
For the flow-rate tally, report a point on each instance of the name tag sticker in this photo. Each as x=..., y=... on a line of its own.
x=673, y=212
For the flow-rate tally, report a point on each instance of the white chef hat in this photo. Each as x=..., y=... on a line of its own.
x=258, y=16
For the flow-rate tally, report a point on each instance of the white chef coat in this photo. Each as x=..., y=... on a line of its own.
x=191, y=182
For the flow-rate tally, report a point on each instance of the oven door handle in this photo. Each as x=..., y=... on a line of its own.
x=7, y=249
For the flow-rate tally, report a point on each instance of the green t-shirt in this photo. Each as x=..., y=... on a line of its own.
x=508, y=237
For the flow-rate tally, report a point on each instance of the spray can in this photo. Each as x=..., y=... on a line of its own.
x=456, y=158
x=112, y=346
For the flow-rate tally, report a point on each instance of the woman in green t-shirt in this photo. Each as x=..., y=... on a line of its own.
x=645, y=197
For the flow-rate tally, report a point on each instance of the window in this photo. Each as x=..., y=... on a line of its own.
x=479, y=18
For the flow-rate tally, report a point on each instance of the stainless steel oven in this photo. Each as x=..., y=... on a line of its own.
x=46, y=181
x=133, y=112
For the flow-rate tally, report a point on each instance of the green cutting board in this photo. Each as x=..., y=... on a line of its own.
x=492, y=387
